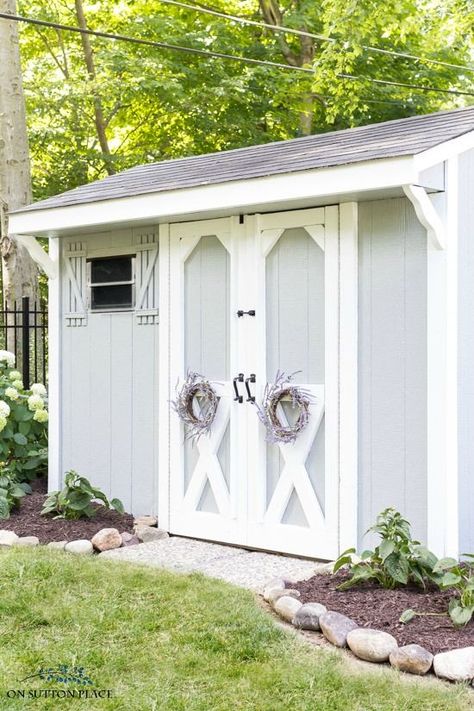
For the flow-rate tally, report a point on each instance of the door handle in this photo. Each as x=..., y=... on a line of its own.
x=250, y=379
x=238, y=379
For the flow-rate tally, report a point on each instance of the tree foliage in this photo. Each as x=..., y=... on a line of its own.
x=160, y=104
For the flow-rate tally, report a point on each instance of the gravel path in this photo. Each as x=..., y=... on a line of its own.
x=248, y=569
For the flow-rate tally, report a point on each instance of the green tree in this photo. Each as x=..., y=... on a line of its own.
x=156, y=104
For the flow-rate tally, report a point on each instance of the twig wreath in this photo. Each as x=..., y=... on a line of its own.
x=197, y=416
x=273, y=395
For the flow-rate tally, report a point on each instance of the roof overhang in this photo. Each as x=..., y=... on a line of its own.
x=357, y=181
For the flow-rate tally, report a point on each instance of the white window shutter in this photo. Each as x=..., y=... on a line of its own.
x=75, y=263
x=146, y=268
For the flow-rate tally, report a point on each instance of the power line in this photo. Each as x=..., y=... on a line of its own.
x=220, y=55
x=303, y=33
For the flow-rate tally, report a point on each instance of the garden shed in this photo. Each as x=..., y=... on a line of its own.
x=346, y=258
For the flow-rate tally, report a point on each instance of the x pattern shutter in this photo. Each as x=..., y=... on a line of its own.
x=146, y=306
x=75, y=263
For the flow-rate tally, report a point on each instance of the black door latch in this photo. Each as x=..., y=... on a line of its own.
x=241, y=313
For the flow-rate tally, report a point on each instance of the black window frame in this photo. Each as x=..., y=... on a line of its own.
x=126, y=282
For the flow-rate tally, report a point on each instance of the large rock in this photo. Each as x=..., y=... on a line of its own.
x=7, y=538
x=456, y=665
x=57, y=545
x=27, y=541
x=106, y=539
x=80, y=547
x=371, y=645
x=129, y=539
x=147, y=533
x=412, y=659
x=335, y=627
x=145, y=521
x=307, y=617
x=277, y=593
x=287, y=607
x=271, y=586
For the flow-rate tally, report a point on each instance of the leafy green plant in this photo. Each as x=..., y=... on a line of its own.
x=459, y=576
x=23, y=424
x=75, y=499
x=11, y=493
x=397, y=560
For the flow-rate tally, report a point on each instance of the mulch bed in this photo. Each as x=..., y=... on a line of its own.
x=27, y=521
x=372, y=606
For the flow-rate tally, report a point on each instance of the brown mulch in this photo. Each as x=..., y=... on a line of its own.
x=371, y=606
x=27, y=521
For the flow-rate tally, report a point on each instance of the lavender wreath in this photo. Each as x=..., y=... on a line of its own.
x=198, y=420
x=274, y=393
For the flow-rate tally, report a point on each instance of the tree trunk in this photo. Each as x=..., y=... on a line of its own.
x=100, y=123
x=19, y=271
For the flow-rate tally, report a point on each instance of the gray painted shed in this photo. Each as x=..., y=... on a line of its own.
x=353, y=248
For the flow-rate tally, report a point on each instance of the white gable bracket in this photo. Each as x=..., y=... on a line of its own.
x=427, y=214
x=37, y=253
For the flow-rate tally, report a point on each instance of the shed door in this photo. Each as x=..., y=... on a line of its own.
x=234, y=486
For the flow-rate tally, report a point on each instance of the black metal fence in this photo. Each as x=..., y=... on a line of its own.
x=24, y=332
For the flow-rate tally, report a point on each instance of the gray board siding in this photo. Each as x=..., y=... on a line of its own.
x=466, y=353
x=392, y=364
x=384, y=140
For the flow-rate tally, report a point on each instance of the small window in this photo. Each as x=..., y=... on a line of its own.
x=111, y=283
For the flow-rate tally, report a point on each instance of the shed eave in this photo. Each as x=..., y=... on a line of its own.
x=258, y=194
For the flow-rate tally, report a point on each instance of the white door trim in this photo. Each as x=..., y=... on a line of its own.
x=348, y=375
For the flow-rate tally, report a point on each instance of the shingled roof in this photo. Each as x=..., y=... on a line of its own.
x=402, y=137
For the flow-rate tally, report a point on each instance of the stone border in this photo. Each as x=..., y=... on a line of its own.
x=368, y=644
x=145, y=530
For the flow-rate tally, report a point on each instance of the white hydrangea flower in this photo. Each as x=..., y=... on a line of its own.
x=40, y=416
x=3, y=422
x=38, y=389
x=14, y=375
x=11, y=393
x=35, y=402
x=18, y=384
x=8, y=358
x=4, y=408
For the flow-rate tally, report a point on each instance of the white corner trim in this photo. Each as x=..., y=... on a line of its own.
x=37, y=253
x=427, y=215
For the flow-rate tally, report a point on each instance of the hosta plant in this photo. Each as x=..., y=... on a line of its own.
x=75, y=499
x=396, y=560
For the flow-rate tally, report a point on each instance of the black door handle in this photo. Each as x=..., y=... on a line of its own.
x=238, y=379
x=251, y=379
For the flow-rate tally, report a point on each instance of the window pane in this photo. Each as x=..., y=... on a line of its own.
x=106, y=297
x=111, y=269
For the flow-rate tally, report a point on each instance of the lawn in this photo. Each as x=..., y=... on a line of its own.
x=164, y=641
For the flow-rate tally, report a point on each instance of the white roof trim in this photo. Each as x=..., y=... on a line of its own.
x=443, y=151
x=241, y=195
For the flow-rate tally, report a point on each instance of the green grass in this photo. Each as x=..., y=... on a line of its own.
x=164, y=641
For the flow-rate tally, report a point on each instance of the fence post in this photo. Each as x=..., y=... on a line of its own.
x=25, y=341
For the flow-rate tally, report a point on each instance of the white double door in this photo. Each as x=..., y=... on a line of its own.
x=250, y=298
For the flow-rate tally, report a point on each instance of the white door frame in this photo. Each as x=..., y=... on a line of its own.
x=344, y=219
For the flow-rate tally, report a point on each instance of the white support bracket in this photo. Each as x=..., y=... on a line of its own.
x=427, y=215
x=37, y=253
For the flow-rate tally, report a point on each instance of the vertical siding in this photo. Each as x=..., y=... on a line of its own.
x=110, y=395
x=466, y=352
x=392, y=363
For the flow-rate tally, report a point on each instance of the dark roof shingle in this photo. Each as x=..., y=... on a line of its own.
x=376, y=141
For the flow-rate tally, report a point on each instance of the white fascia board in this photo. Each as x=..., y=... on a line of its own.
x=444, y=151
x=240, y=195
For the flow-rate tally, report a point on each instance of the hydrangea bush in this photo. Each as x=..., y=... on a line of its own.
x=23, y=433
